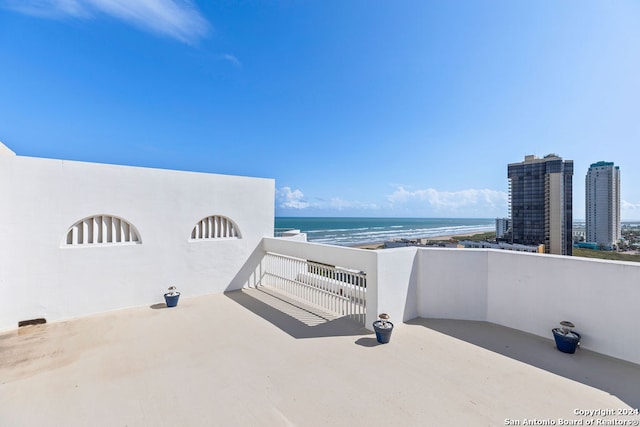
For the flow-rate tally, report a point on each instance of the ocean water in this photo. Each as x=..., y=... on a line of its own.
x=357, y=231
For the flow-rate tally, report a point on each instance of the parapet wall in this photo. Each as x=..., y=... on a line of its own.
x=80, y=238
x=528, y=292
x=533, y=293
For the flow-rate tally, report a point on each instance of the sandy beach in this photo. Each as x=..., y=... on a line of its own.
x=380, y=245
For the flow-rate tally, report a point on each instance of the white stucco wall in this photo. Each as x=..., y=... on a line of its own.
x=528, y=292
x=42, y=198
x=453, y=283
x=5, y=151
x=398, y=275
x=533, y=293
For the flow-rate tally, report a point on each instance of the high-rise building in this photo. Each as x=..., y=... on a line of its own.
x=602, y=204
x=502, y=227
x=540, y=203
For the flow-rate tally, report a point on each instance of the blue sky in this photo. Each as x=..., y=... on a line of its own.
x=355, y=108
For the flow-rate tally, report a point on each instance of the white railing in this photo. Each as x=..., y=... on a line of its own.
x=339, y=291
x=278, y=232
x=286, y=232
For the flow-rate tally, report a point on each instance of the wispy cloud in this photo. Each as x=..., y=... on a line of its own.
x=629, y=211
x=48, y=8
x=624, y=205
x=450, y=201
x=232, y=59
x=424, y=202
x=295, y=199
x=179, y=19
x=336, y=203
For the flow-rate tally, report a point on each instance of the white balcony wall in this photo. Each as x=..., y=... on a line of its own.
x=528, y=292
x=398, y=281
x=452, y=283
x=40, y=199
x=396, y=268
x=533, y=293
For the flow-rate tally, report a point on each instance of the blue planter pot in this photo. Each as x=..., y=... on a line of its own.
x=566, y=343
x=383, y=335
x=171, y=300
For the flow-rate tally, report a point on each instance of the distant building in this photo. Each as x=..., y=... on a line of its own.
x=579, y=235
x=602, y=205
x=586, y=245
x=540, y=203
x=502, y=227
x=401, y=243
x=502, y=245
x=398, y=243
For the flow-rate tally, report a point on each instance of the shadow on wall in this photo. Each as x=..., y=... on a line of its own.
x=249, y=275
x=411, y=301
x=617, y=377
x=294, y=318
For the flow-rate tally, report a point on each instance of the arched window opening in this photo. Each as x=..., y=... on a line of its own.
x=102, y=230
x=215, y=227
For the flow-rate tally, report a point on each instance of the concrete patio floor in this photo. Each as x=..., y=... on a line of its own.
x=248, y=358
